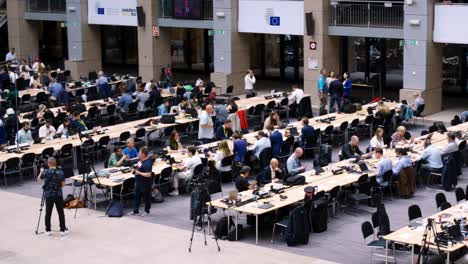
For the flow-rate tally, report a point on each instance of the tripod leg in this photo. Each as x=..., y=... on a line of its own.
x=204, y=229
x=212, y=231
x=40, y=212
x=83, y=183
x=193, y=232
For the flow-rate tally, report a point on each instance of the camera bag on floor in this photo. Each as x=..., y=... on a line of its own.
x=297, y=232
x=115, y=209
x=221, y=228
x=156, y=196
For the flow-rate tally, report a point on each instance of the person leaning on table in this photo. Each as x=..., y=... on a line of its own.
x=116, y=159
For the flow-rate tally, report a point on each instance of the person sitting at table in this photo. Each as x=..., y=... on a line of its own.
x=351, y=149
x=130, y=151
x=125, y=100
x=194, y=102
x=262, y=143
x=307, y=132
x=377, y=140
x=224, y=131
x=293, y=164
x=78, y=124
x=47, y=131
x=272, y=120
x=186, y=171
x=35, y=82
x=63, y=129
x=276, y=140
x=270, y=173
x=383, y=165
x=223, y=152
x=173, y=142
x=116, y=159
x=55, y=89
x=240, y=147
x=163, y=108
x=431, y=159
x=403, y=161
x=183, y=105
x=451, y=144
x=399, y=136
x=232, y=106
x=24, y=135
x=242, y=182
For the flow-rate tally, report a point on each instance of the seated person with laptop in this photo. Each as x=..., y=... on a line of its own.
x=351, y=149
x=47, y=131
x=270, y=173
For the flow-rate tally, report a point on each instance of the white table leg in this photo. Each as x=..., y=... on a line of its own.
x=412, y=254
x=448, y=258
x=386, y=251
x=237, y=216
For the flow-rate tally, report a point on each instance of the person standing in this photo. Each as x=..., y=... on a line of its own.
x=205, y=130
x=103, y=86
x=143, y=182
x=347, y=85
x=54, y=180
x=249, y=81
x=323, y=88
x=336, y=92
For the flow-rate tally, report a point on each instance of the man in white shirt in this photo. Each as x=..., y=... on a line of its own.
x=418, y=101
x=451, y=146
x=149, y=85
x=47, y=131
x=186, y=171
x=11, y=56
x=205, y=128
x=249, y=81
x=383, y=165
x=262, y=143
x=63, y=128
x=296, y=95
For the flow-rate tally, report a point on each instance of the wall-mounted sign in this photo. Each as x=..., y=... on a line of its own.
x=313, y=45
x=111, y=12
x=213, y=32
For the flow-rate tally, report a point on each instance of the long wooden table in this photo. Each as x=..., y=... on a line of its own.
x=32, y=92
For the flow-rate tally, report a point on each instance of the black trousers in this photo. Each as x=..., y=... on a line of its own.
x=142, y=190
x=49, y=202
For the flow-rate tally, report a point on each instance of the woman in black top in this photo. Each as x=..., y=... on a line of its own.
x=173, y=143
x=232, y=107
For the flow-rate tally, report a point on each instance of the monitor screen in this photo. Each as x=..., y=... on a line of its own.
x=190, y=9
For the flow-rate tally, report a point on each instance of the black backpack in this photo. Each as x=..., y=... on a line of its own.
x=348, y=107
x=115, y=209
x=222, y=231
x=297, y=232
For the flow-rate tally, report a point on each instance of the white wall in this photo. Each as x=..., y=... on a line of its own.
x=254, y=16
x=116, y=12
x=450, y=24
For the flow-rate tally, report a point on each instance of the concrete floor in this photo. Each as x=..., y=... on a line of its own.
x=164, y=236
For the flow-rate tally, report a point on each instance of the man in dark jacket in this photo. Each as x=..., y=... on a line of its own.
x=224, y=131
x=351, y=149
x=276, y=140
x=307, y=133
x=270, y=173
x=336, y=93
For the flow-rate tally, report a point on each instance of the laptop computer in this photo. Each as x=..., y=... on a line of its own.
x=293, y=131
x=363, y=167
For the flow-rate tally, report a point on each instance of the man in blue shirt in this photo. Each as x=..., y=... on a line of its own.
x=130, y=151
x=307, y=133
x=163, y=108
x=383, y=165
x=276, y=139
x=431, y=159
x=403, y=162
x=102, y=84
x=125, y=100
x=55, y=88
x=240, y=147
x=322, y=88
x=293, y=164
x=221, y=114
x=262, y=143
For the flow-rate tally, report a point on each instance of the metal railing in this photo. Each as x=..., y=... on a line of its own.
x=46, y=6
x=3, y=13
x=372, y=14
x=167, y=9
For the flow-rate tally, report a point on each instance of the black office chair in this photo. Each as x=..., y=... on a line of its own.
x=445, y=206
x=362, y=192
x=366, y=128
x=140, y=136
x=164, y=180
x=333, y=199
x=373, y=243
x=414, y=212
x=122, y=139
x=340, y=135
x=12, y=167
x=127, y=190
x=265, y=156
x=440, y=199
x=459, y=194
x=353, y=128
x=65, y=159
x=311, y=146
x=28, y=163
x=102, y=146
x=326, y=136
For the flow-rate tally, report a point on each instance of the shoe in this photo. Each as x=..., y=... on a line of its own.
x=48, y=233
x=64, y=233
x=174, y=193
x=133, y=214
x=145, y=214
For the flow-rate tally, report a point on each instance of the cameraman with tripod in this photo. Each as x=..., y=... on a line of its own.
x=54, y=180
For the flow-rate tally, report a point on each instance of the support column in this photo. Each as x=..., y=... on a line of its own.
x=84, y=41
x=154, y=53
x=327, y=53
x=23, y=35
x=231, y=49
x=422, y=69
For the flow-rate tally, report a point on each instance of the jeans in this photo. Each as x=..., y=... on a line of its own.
x=142, y=190
x=335, y=98
x=249, y=93
x=49, y=203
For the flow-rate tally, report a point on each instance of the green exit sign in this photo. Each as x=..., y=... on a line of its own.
x=213, y=32
x=414, y=42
